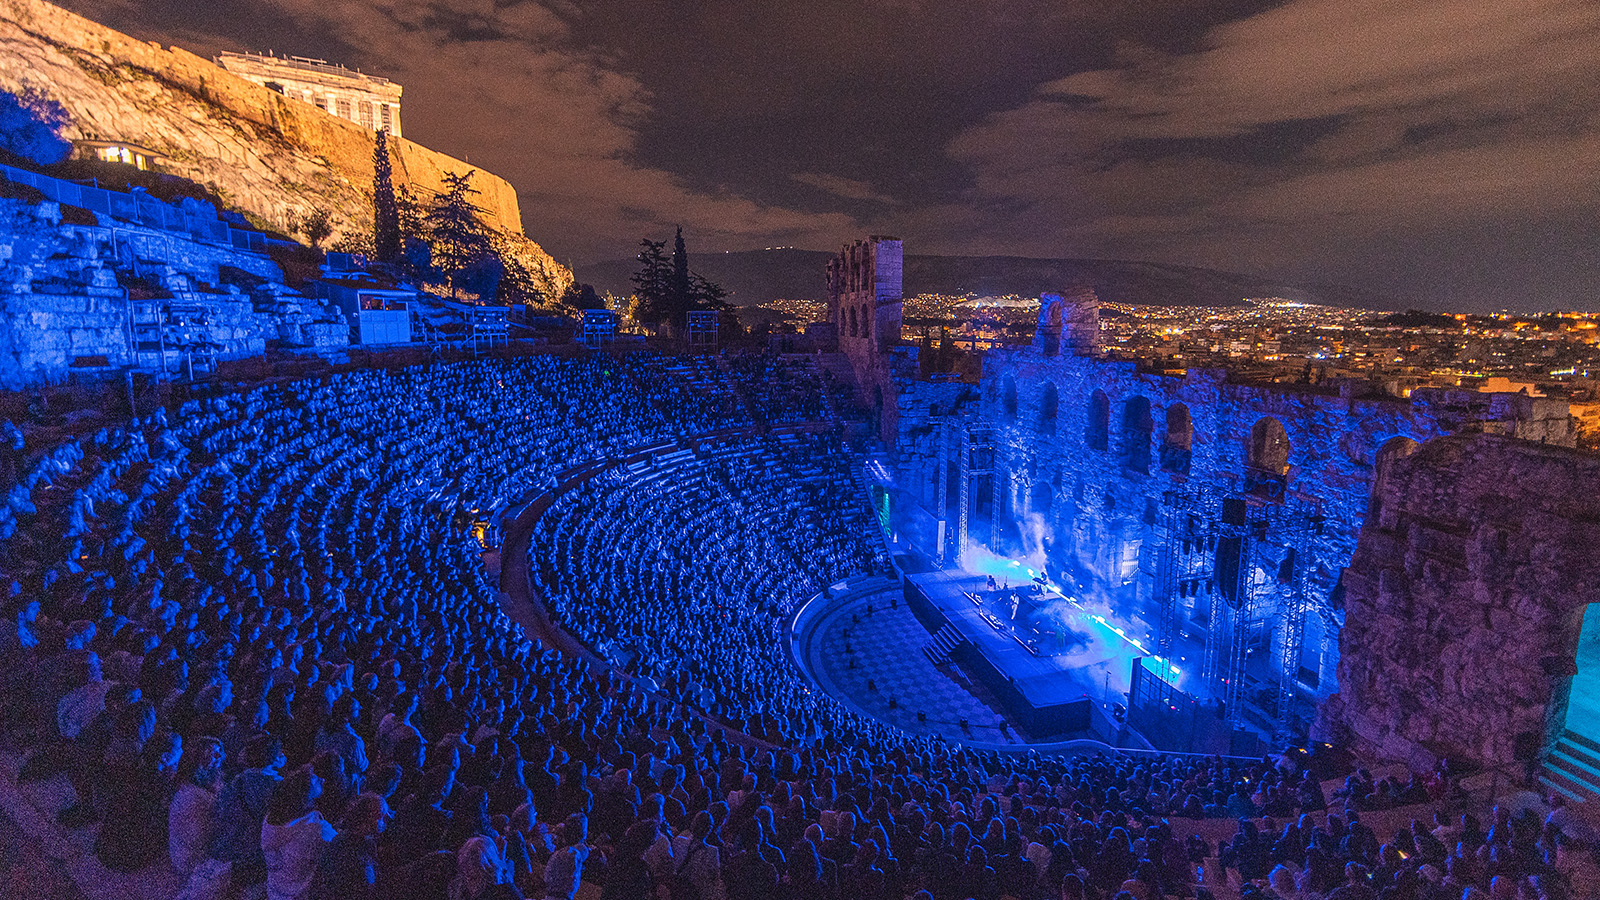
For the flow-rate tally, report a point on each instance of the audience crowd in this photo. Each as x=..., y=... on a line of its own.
x=256, y=636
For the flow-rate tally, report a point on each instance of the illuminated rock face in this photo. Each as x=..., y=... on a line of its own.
x=1465, y=598
x=274, y=157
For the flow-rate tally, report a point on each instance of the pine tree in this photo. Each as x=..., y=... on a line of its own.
x=385, y=209
x=652, y=283
x=458, y=236
x=706, y=294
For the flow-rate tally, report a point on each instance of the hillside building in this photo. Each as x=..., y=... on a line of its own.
x=367, y=100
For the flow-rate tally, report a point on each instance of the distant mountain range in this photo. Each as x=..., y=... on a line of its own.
x=758, y=277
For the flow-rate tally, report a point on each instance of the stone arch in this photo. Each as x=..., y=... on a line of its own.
x=1395, y=448
x=854, y=325
x=1267, y=459
x=1177, y=445
x=1269, y=447
x=1137, y=427
x=1049, y=327
x=1581, y=713
x=1041, y=497
x=1049, y=408
x=1098, y=434
x=1008, y=397
x=866, y=320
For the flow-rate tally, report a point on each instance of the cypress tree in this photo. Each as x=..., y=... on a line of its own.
x=680, y=290
x=385, y=211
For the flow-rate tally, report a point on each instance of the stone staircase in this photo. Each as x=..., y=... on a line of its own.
x=945, y=641
x=1573, y=768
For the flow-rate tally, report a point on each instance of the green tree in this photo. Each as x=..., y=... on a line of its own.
x=706, y=294
x=459, y=239
x=30, y=127
x=410, y=215
x=652, y=284
x=385, y=207
x=316, y=227
x=664, y=287
x=582, y=296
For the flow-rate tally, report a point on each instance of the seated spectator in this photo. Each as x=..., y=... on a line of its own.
x=191, y=818
x=294, y=837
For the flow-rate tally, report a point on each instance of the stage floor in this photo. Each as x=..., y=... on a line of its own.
x=1052, y=648
x=866, y=650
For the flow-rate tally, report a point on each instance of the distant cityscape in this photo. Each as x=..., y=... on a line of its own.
x=1279, y=340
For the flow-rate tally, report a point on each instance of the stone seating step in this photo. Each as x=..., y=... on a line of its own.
x=1592, y=745
x=1573, y=768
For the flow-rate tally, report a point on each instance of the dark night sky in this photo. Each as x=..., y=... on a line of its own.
x=1446, y=151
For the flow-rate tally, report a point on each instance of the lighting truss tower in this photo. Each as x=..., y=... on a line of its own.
x=977, y=468
x=1271, y=588
x=1184, y=560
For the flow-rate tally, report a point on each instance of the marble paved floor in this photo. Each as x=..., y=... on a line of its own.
x=867, y=651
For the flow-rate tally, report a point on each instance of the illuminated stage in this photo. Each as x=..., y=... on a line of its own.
x=1055, y=663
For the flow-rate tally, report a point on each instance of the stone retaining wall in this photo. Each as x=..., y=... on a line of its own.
x=1464, y=601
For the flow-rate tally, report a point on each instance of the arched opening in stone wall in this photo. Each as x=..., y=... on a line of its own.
x=1583, y=702
x=1098, y=434
x=1050, y=332
x=1267, y=459
x=1041, y=498
x=1049, y=405
x=866, y=321
x=1395, y=448
x=1136, y=429
x=1008, y=397
x=1178, y=443
x=854, y=325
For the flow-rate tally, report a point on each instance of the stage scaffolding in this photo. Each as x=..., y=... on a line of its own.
x=978, y=475
x=1245, y=559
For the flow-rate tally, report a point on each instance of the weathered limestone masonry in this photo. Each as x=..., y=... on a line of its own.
x=62, y=305
x=865, y=305
x=1465, y=598
x=269, y=155
x=1085, y=451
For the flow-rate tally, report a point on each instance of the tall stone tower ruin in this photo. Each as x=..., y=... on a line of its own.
x=1069, y=322
x=864, y=296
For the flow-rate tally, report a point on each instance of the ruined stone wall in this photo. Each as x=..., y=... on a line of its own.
x=63, y=306
x=865, y=304
x=1464, y=601
x=269, y=155
x=1085, y=463
x=1099, y=503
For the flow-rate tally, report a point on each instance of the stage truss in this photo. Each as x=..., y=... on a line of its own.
x=1247, y=560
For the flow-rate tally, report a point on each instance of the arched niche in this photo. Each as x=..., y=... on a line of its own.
x=1049, y=407
x=1136, y=429
x=1267, y=459
x=1177, y=443
x=1098, y=434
